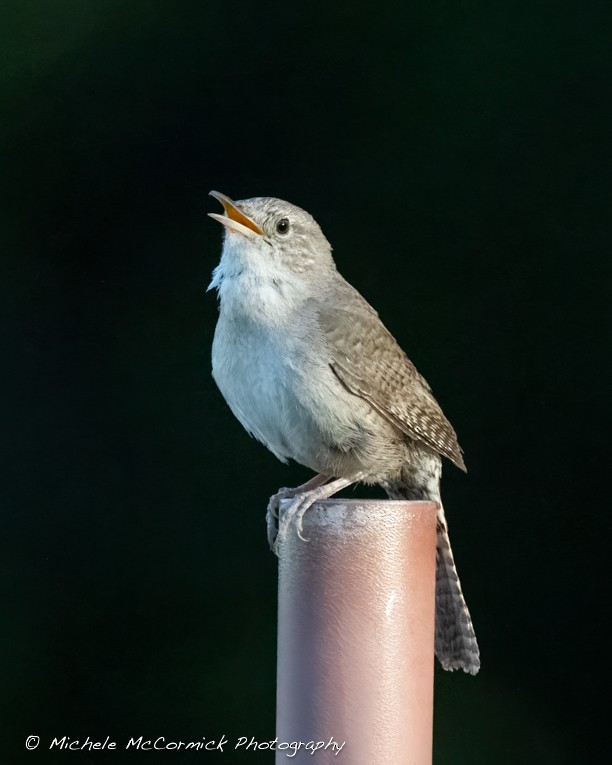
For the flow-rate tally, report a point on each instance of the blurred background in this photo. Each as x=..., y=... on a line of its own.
x=457, y=156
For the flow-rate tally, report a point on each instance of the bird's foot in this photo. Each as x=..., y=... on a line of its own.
x=272, y=513
x=301, y=502
x=295, y=511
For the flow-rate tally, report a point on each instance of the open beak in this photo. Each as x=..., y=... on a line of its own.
x=234, y=219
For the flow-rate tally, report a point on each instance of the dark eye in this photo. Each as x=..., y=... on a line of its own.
x=282, y=226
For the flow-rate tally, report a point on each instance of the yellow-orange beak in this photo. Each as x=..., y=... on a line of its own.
x=234, y=218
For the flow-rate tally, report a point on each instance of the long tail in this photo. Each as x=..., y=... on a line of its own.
x=455, y=641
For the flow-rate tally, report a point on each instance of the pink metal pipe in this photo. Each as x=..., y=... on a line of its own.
x=356, y=634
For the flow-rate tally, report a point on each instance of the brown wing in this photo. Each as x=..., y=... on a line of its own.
x=368, y=361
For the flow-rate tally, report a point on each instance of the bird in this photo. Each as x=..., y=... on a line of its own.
x=309, y=369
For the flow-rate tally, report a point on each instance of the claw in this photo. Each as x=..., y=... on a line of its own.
x=271, y=527
x=293, y=514
x=299, y=523
x=300, y=535
x=304, y=497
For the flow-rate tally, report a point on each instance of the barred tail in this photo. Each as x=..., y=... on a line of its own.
x=455, y=643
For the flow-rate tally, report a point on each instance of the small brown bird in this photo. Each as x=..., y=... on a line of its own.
x=309, y=369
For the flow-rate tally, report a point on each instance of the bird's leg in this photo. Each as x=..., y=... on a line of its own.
x=301, y=503
x=285, y=493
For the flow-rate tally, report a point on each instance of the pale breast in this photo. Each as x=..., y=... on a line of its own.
x=246, y=369
x=285, y=394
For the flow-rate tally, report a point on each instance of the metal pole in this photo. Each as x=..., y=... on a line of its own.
x=356, y=634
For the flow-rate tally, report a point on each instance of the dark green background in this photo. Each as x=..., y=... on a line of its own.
x=457, y=155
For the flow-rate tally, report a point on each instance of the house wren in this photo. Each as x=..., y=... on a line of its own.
x=309, y=369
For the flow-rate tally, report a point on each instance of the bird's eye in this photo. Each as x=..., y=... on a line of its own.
x=282, y=227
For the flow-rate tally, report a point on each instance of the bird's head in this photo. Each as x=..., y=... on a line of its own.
x=270, y=238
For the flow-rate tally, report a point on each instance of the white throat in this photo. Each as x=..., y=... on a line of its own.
x=252, y=285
